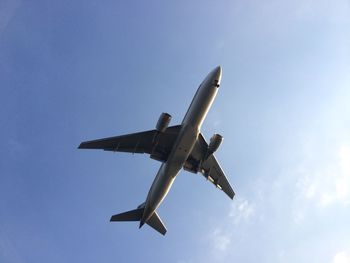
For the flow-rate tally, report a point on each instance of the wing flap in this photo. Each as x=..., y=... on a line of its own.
x=135, y=142
x=209, y=168
x=151, y=142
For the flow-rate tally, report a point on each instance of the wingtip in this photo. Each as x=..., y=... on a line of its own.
x=80, y=146
x=233, y=195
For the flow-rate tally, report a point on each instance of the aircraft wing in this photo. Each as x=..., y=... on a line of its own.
x=209, y=168
x=152, y=142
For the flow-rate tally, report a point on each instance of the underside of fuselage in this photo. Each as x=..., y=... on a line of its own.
x=183, y=146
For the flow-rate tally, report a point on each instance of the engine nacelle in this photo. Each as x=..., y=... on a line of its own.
x=163, y=122
x=214, y=144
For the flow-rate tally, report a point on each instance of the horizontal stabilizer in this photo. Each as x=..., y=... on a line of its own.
x=156, y=223
x=132, y=215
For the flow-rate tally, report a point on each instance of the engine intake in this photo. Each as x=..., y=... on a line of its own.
x=163, y=122
x=214, y=144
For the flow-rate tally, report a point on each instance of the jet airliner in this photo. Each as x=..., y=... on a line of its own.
x=177, y=147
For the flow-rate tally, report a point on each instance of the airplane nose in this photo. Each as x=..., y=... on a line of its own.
x=217, y=75
x=213, y=78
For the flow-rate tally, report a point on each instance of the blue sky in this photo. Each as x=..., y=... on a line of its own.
x=78, y=70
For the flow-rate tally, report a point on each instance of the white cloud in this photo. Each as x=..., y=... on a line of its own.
x=341, y=257
x=241, y=210
x=329, y=183
x=322, y=182
x=221, y=240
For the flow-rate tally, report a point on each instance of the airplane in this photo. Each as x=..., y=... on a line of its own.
x=177, y=147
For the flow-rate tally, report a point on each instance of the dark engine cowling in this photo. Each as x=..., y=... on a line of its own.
x=163, y=122
x=214, y=144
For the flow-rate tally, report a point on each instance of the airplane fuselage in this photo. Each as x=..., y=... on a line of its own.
x=185, y=141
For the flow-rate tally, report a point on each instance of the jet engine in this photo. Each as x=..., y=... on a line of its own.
x=163, y=122
x=214, y=144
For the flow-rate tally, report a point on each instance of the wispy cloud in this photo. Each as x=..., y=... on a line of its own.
x=320, y=185
x=329, y=183
x=7, y=11
x=341, y=257
x=221, y=240
x=241, y=210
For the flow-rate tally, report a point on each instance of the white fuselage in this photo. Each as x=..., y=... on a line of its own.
x=185, y=141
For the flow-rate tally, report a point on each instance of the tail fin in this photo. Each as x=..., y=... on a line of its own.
x=156, y=223
x=132, y=215
x=136, y=215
